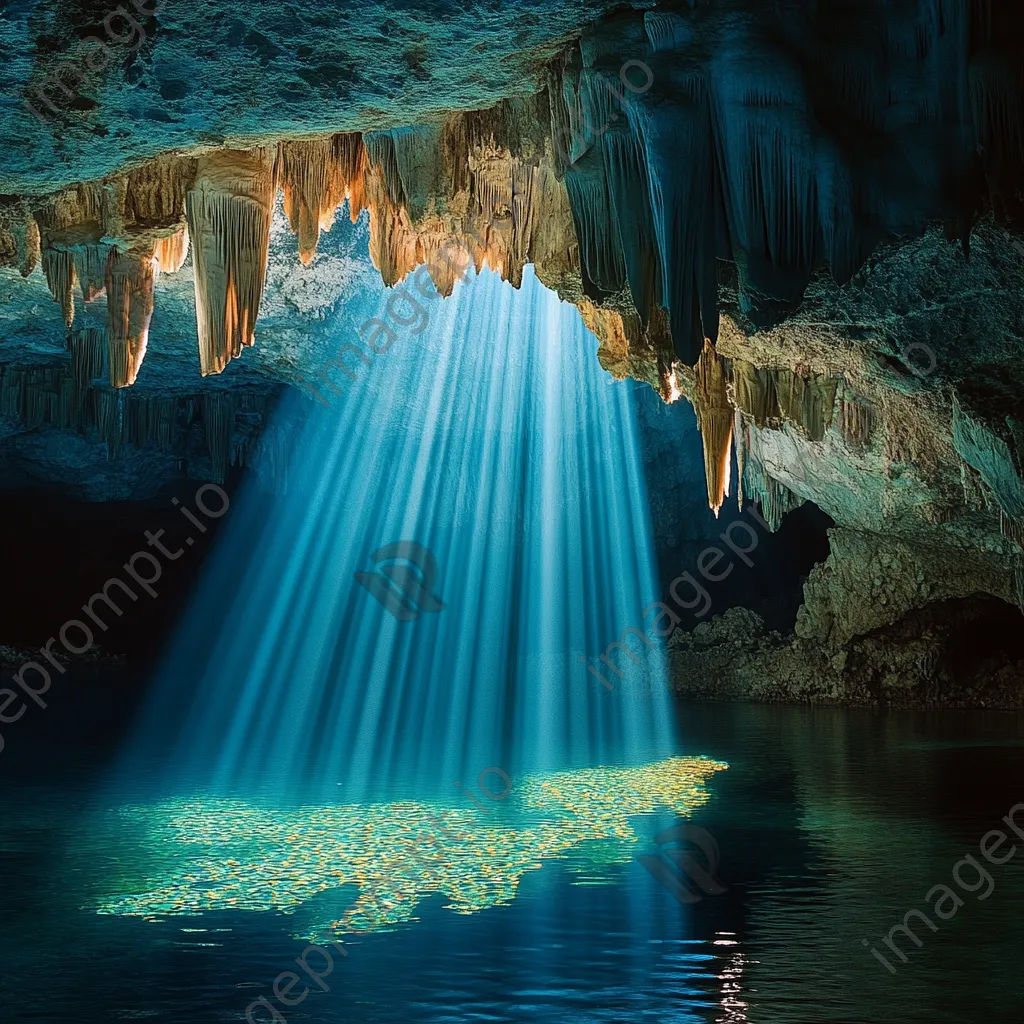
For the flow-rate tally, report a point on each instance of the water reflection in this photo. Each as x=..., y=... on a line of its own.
x=831, y=825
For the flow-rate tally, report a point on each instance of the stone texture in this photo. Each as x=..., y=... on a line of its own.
x=926, y=659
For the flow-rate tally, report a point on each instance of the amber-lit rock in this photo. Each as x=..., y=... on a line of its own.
x=229, y=210
x=171, y=251
x=129, y=279
x=715, y=421
x=317, y=177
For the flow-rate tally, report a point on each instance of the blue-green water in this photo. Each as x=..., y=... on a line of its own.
x=832, y=825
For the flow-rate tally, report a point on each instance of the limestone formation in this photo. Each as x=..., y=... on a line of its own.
x=921, y=472
x=19, y=239
x=229, y=210
x=88, y=357
x=171, y=250
x=59, y=269
x=318, y=176
x=223, y=428
x=715, y=422
x=91, y=269
x=129, y=281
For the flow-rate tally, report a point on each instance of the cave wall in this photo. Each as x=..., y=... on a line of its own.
x=779, y=212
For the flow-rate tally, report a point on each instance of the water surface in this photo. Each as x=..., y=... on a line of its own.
x=831, y=824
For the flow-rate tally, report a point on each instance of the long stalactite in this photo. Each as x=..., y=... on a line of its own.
x=583, y=181
x=229, y=210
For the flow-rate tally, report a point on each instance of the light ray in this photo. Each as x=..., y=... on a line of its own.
x=494, y=440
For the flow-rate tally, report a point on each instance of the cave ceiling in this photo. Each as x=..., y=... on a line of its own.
x=804, y=219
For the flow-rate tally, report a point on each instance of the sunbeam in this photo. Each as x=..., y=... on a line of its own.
x=494, y=446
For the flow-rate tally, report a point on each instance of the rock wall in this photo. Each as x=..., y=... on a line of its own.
x=718, y=188
x=916, y=457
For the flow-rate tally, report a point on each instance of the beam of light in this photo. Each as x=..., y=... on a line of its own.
x=494, y=439
x=194, y=856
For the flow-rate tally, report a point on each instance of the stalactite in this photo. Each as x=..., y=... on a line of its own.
x=761, y=114
x=581, y=128
x=447, y=258
x=91, y=268
x=667, y=32
x=818, y=404
x=754, y=392
x=37, y=395
x=739, y=441
x=219, y=423
x=774, y=498
x=113, y=199
x=526, y=178
x=70, y=231
x=313, y=176
x=129, y=312
x=393, y=248
x=996, y=85
x=666, y=379
x=619, y=335
x=31, y=251
x=88, y=356
x=715, y=421
x=806, y=401
x=393, y=240
x=19, y=241
x=600, y=253
x=380, y=152
x=857, y=421
x=558, y=114
x=154, y=194
x=150, y=420
x=629, y=186
x=686, y=234
x=350, y=155
x=494, y=220
x=171, y=251
x=108, y=407
x=773, y=396
x=419, y=161
x=768, y=182
x=65, y=397
x=491, y=175
x=229, y=212
x=80, y=204
x=778, y=179
x=59, y=270
x=789, y=393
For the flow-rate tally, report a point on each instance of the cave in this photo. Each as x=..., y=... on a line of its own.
x=512, y=510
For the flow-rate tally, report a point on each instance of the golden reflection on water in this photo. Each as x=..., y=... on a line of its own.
x=193, y=856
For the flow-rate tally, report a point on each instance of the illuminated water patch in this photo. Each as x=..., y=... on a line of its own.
x=193, y=856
